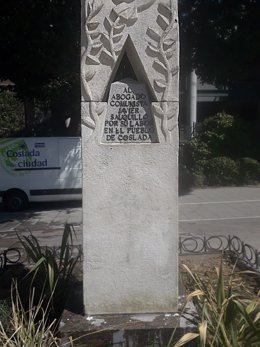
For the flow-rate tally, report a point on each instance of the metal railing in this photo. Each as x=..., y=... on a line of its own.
x=10, y=256
x=190, y=245
x=231, y=245
x=17, y=255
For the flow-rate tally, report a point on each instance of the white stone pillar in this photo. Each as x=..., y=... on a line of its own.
x=130, y=157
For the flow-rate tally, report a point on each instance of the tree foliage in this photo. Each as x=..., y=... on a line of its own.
x=40, y=42
x=221, y=39
x=12, y=114
x=39, y=50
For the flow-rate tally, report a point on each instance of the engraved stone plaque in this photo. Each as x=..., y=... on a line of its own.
x=128, y=118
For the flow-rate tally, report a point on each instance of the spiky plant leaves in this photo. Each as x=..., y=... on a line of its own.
x=227, y=314
x=51, y=271
x=220, y=287
x=203, y=333
x=185, y=339
x=196, y=293
x=26, y=328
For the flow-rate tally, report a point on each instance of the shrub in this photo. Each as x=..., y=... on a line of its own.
x=221, y=171
x=227, y=136
x=194, y=155
x=199, y=180
x=249, y=171
x=212, y=157
x=213, y=132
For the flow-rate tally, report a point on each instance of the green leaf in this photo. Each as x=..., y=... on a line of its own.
x=203, y=333
x=245, y=315
x=220, y=287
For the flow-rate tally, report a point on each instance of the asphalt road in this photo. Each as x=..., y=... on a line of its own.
x=222, y=211
x=219, y=211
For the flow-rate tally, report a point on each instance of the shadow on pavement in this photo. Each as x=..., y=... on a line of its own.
x=36, y=212
x=44, y=206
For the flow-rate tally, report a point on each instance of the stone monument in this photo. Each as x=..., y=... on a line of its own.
x=130, y=156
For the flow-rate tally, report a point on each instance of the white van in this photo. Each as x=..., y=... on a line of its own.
x=39, y=169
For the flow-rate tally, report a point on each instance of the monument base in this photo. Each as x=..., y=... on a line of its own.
x=122, y=330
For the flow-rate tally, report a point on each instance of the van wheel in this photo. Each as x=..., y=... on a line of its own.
x=15, y=200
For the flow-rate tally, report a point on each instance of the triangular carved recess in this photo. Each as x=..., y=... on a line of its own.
x=136, y=70
x=125, y=70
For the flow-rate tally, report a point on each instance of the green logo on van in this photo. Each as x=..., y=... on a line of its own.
x=11, y=151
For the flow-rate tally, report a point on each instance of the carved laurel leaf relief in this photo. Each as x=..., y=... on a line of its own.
x=112, y=26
